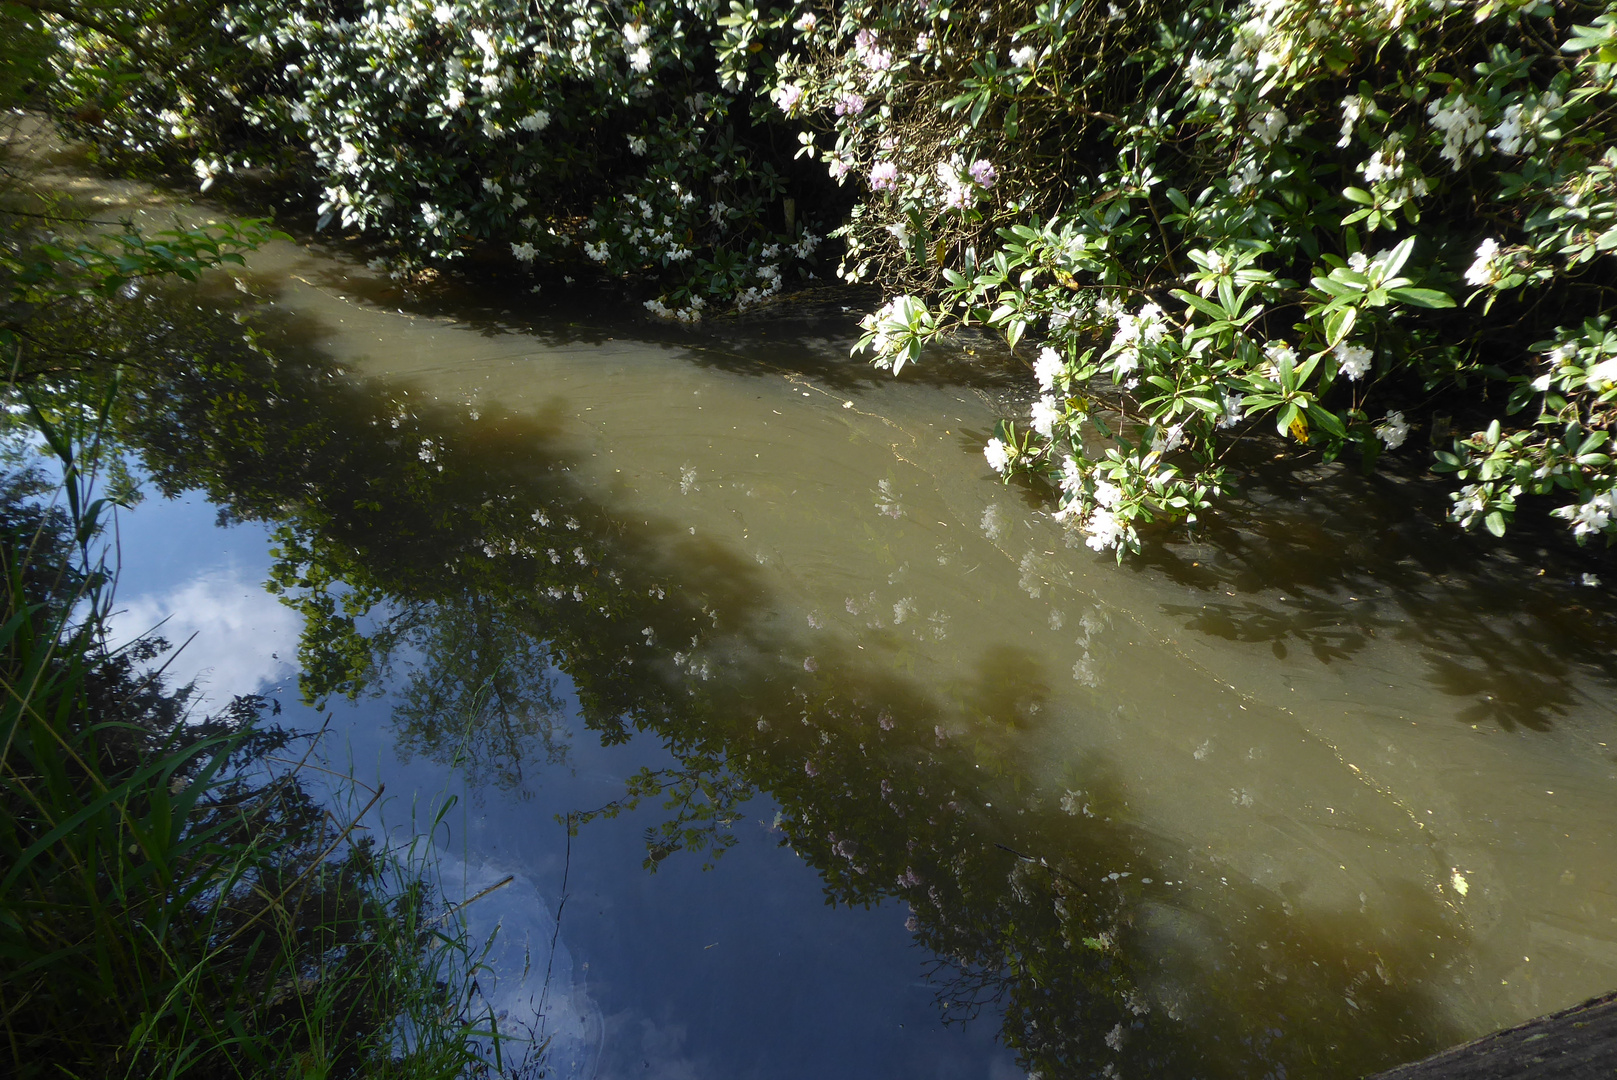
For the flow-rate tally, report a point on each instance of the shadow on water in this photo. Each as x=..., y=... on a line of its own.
x=1323, y=561
x=470, y=556
x=809, y=333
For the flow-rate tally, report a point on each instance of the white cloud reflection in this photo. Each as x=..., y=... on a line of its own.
x=244, y=637
x=531, y=990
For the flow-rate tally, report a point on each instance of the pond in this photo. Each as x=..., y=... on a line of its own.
x=1324, y=787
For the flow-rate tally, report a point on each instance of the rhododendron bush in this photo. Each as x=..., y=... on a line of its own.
x=566, y=129
x=1354, y=226
x=1343, y=222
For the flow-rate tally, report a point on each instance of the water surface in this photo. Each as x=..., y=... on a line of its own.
x=1322, y=788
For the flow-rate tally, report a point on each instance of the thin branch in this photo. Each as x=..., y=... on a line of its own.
x=89, y=22
x=63, y=217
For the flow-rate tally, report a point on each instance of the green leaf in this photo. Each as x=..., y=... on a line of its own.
x=1339, y=324
x=1426, y=298
x=1327, y=421
x=1201, y=304
x=1335, y=288
x=1395, y=259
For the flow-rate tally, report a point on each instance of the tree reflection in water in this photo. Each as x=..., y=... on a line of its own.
x=479, y=695
x=463, y=560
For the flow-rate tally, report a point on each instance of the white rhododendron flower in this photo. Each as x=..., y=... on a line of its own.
x=1072, y=475
x=1104, y=530
x=1483, y=269
x=1353, y=360
x=1168, y=440
x=1460, y=123
x=1232, y=413
x=207, y=171
x=1523, y=125
x=1602, y=376
x=1470, y=503
x=1590, y=516
x=1045, y=414
x=1276, y=354
x=787, y=96
x=1352, y=109
x=1267, y=125
x=1393, y=430
x=1048, y=368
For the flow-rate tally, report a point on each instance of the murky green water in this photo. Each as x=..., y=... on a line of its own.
x=1324, y=789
